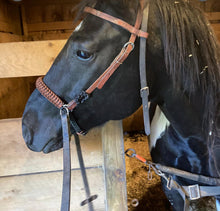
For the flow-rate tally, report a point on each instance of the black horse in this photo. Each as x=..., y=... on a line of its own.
x=183, y=72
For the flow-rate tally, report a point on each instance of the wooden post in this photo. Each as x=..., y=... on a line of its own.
x=114, y=166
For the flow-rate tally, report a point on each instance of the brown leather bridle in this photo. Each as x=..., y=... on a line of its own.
x=103, y=78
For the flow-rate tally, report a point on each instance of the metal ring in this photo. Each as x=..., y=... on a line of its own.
x=64, y=108
x=129, y=43
x=134, y=202
x=132, y=155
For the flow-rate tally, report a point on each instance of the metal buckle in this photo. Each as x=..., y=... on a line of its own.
x=128, y=43
x=194, y=192
x=144, y=89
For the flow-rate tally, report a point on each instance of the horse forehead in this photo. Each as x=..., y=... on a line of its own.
x=90, y=33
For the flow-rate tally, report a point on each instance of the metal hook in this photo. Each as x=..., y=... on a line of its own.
x=130, y=155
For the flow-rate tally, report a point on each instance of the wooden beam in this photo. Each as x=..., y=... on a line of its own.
x=115, y=177
x=51, y=26
x=7, y=37
x=6, y=27
x=213, y=16
x=216, y=28
x=28, y=58
x=49, y=35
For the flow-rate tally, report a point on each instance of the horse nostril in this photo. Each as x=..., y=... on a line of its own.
x=27, y=135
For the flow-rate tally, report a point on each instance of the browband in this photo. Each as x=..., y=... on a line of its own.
x=116, y=21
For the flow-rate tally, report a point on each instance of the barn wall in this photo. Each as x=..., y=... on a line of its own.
x=53, y=20
x=10, y=25
x=30, y=21
x=46, y=20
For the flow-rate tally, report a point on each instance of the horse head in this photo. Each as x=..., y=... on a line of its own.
x=88, y=52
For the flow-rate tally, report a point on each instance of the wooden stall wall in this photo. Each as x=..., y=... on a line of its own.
x=48, y=20
x=33, y=181
x=29, y=20
x=10, y=24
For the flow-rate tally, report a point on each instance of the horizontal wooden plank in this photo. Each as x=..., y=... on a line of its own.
x=28, y=58
x=50, y=26
x=216, y=27
x=213, y=16
x=43, y=191
x=49, y=35
x=6, y=27
x=8, y=37
x=16, y=158
x=218, y=36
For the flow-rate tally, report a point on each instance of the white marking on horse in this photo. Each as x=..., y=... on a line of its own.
x=158, y=126
x=78, y=27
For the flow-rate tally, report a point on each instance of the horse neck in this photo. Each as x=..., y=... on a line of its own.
x=186, y=116
x=186, y=110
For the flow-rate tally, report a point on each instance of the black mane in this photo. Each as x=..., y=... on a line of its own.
x=192, y=57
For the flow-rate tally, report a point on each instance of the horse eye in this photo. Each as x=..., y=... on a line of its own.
x=83, y=55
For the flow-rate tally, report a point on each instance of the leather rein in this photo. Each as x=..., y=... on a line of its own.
x=84, y=95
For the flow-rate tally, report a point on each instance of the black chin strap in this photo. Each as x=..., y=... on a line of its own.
x=142, y=66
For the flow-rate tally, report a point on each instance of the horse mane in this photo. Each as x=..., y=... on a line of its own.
x=192, y=58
